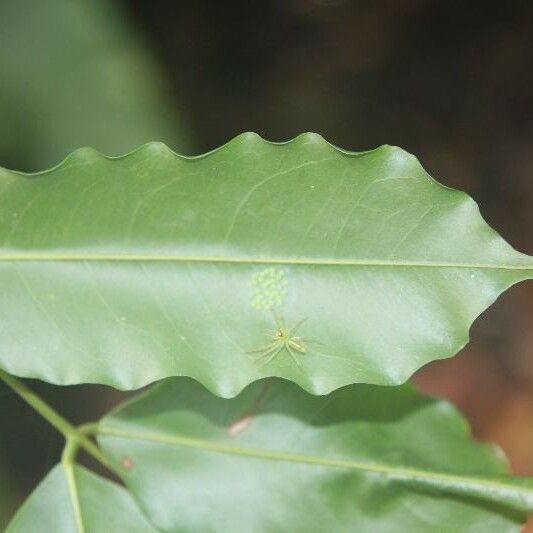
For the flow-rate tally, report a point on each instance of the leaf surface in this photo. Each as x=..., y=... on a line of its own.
x=86, y=503
x=128, y=270
x=365, y=458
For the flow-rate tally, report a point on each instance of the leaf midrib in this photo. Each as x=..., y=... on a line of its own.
x=397, y=473
x=141, y=258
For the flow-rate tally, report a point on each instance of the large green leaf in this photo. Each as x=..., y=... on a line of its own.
x=73, y=500
x=366, y=458
x=124, y=271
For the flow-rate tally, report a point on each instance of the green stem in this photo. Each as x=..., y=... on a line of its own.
x=70, y=432
x=49, y=414
x=68, y=459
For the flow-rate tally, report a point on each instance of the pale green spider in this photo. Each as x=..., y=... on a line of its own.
x=283, y=339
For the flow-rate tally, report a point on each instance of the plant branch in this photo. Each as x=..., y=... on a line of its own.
x=68, y=459
x=70, y=432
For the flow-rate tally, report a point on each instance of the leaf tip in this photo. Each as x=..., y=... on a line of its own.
x=157, y=148
x=248, y=138
x=83, y=155
x=310, y=137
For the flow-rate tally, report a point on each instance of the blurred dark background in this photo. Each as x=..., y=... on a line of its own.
x=451, y=82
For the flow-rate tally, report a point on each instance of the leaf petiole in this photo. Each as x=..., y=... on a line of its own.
x=75, y=437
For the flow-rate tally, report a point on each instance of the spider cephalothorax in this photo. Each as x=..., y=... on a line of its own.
x=283, y=339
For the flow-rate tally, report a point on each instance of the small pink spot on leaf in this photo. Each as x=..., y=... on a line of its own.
x=240, y=425
x=127, y=463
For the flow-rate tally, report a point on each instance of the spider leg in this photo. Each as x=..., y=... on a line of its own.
x=319, y=353
x=295, y=328
x=262, y=349
x=299, y=347
x=294, y=356
x=274, y=352
x=311, y=341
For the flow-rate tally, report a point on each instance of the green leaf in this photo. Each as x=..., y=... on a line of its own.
x=365, y=458
x=84, y=503
x=78, y=73
x=125, y=271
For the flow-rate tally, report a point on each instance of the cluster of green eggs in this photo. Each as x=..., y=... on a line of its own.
x=269, y=287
